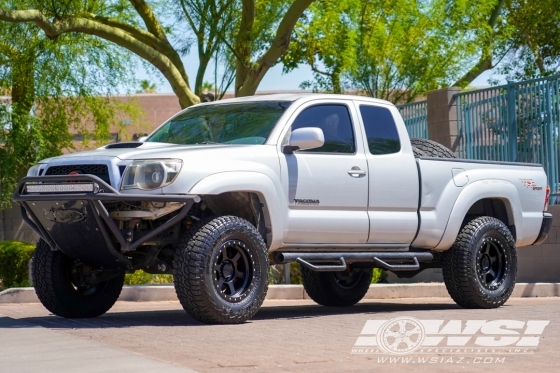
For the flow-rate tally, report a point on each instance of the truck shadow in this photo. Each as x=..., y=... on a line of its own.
x=178, y=317
x=369, y=308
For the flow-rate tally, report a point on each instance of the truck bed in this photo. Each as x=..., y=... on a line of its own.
x=448, y=187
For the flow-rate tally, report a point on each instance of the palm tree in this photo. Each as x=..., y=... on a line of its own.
x=147, y=87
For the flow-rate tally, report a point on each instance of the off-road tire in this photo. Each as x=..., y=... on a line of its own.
x=418, y=153
x=464, y=265
x=55, y=289
x=196, y=274
x=326, y=289
x=431, y=149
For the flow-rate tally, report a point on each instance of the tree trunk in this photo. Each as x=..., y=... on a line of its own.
x=199, y=81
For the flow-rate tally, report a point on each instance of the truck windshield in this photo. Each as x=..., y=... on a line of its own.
x=239, y=123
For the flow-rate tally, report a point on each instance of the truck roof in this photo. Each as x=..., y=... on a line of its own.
x=295, y=97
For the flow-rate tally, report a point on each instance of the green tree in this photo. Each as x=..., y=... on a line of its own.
x=395, y=50
x=212, y=22
x=55, y=86
x=531, y=47
x=519, y=39
x=134, y=25
x=147, y=87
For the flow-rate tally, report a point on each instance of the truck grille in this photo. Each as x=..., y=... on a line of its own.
x=99, y=170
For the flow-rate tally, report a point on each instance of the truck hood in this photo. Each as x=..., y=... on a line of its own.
x=144, y=151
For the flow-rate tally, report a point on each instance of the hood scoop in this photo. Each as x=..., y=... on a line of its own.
x=122, y=145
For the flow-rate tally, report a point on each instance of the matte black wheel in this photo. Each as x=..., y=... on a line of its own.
x=430, y=148
x=221, y=271
x=479, y=270
x=60, y=289
x=344, y=288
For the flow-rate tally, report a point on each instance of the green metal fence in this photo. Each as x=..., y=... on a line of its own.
x=516, y=122
x=415, y=117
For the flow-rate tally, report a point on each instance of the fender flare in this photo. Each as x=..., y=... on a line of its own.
x=498, y=189
x=247, y=181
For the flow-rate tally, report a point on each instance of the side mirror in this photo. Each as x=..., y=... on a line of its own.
x=142, y=139
x=305, y=138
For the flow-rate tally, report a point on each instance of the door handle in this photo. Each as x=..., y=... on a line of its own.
x=355, y=171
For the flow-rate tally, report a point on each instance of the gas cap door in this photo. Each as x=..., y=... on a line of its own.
x=460, y=177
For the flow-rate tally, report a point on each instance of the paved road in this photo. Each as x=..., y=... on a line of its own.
x=285, y=336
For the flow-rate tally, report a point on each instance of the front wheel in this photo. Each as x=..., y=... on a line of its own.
x=59, y=287
x=338, y=289
x=221, y=271
x=479, y=270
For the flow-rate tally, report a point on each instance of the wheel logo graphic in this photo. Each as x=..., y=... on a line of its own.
x=401, y=335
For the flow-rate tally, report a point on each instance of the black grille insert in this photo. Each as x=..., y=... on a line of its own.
x=99, y=170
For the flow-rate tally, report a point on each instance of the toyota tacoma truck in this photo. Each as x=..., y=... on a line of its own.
x=222, y=190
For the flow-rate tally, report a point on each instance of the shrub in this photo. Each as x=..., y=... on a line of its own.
x=276, y=274
x=378, y=275
x=14, y=263
x=142, y=278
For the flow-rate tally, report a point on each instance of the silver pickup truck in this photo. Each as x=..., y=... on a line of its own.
x=222, y=190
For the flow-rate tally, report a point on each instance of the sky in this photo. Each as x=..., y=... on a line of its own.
x=274, y=80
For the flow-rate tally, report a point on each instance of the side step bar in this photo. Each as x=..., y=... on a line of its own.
x=381, y=259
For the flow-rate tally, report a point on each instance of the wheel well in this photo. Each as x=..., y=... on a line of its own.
x=247, y=205
x=494, y=207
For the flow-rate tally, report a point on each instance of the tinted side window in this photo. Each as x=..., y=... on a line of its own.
x=381, y=130
x=335, y=122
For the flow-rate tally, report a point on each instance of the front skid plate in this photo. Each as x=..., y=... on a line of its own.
x=76, y=231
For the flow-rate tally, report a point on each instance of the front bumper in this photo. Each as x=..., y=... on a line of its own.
x=79, y=225
x=545, y=228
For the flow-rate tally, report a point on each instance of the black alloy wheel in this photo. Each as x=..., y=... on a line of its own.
x=491, y=263
x=233, y=270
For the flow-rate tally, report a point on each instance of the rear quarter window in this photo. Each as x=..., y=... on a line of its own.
x=381, y=130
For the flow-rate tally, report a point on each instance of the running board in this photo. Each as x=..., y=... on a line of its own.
x=381, y=259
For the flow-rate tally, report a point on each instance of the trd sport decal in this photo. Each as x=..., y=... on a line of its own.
x=531, y=184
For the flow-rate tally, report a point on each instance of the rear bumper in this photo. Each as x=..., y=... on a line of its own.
x=545, y=228
x=79, y=225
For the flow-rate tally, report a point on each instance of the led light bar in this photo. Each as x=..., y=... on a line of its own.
x=60, y=188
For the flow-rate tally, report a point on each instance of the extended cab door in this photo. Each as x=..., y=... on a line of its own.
x=327, y=187
x=393, y=175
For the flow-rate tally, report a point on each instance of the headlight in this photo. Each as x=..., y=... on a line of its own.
x=34, y=170
x=151, y=174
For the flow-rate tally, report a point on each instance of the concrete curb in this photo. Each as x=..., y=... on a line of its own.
x=152, y=293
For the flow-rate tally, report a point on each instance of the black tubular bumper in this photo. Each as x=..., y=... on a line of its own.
x=545, y=228
x=78, y=224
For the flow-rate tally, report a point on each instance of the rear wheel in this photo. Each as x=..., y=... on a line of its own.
x=61, y=289
x=479, y=270
x=340, y=289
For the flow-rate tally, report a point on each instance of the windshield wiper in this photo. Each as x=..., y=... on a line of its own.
x=207, y=143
